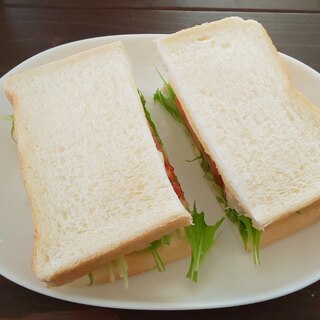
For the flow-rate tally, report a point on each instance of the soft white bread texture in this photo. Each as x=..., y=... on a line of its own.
x=262, y=134
x=96, y=183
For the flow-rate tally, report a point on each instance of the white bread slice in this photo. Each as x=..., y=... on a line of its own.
x=96, y=183
x=262, y=134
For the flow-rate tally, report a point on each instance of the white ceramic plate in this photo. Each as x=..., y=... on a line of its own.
x=228, y=276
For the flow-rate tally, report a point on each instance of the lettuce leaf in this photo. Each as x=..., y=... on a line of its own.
x=123, y=270
x=90, y=275
x=166, y=239
x=201, y=238
x=110, y=270
x=153, y=249
x=6, y=117
x=168, y=101
x=247, y=231
x=9, y=118
x=148, y=116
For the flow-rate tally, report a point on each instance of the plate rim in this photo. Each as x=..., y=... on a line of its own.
x=138, y=305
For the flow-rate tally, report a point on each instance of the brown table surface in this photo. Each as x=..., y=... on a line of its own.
x=30, y=26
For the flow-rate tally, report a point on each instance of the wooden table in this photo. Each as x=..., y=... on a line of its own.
x=30, y=26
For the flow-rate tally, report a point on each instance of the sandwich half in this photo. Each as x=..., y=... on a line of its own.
x=259, y=138
x=98, y=186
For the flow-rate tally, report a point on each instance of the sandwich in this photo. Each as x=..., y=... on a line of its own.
x=258, y=137
x=105, y=200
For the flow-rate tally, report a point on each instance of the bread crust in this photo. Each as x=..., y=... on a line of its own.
x=291, y=224
x=71, y=273
x=140, y=261
x=13, y=98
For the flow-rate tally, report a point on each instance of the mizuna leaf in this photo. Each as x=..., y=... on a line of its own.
x=201, y=238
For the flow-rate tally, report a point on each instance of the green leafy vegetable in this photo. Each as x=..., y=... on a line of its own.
x=168, y=101
x=201, y=238
x=206, y=168
x=148, y=116
x=6, y=117
x=200, y=235
x=195, y=159
x=153, y=249
x=159, y=264
x=12, y=133
x=111, y=272
x=247, y=231
x=166, y=239
x=90, y=275
x=9, y=118
x=209, y=176
x=123, y=270
x=182, y=232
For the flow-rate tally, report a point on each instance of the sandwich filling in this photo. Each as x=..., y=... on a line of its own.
x=212, y=166
x=9, y=118
x=200, y=236
x=169, y=168
x=249, y=234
